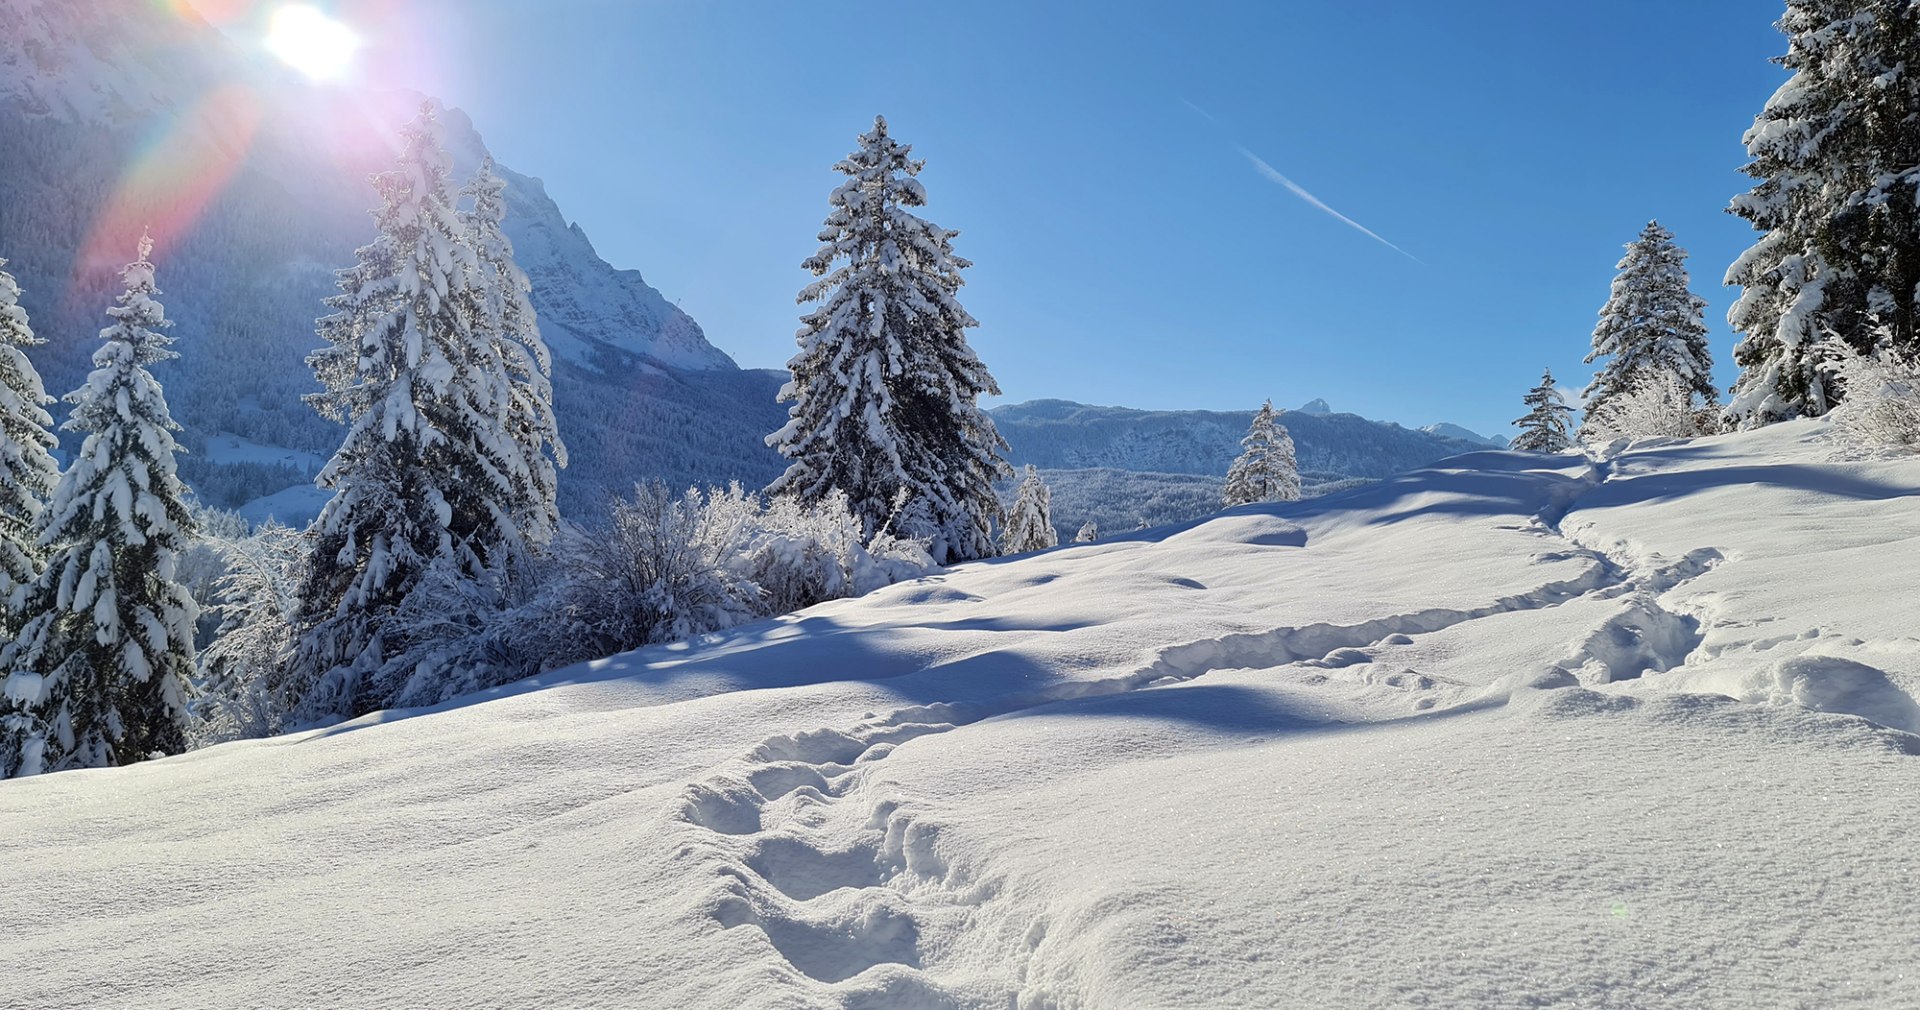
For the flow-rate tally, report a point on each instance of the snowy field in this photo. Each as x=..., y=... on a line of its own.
x=226, y=447
x=1517, y=731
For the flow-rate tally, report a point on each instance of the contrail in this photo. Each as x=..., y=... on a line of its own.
x=1273, y=175
x=1208, y=115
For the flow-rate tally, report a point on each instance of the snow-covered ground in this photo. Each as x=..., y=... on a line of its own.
x=227, y=447
x=1517, y=731
x=294, y=506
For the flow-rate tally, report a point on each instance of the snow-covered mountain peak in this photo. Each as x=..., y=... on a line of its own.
x=1447, y=430
x=107, y=61
x=143, y=65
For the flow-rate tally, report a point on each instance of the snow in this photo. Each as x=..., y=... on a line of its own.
x=1517, y=730
x=227, y=448
x=294, y=506
x=1448, y=430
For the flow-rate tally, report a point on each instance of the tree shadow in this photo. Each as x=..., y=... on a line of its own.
x=1670, y=485
x=1230, y=709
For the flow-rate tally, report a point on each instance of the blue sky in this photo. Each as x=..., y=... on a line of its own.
x=1126, y=252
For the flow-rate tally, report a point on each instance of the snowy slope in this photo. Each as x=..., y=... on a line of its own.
x=1514, y=731
x=87, y=59
x=226, y=448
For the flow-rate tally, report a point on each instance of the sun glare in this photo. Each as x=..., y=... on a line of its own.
x=311, y=42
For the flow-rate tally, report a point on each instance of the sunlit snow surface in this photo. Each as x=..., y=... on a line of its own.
x=1466, y=738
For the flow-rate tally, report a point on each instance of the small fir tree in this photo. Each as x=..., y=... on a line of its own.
x=1651, y=329
x=1088, y=533
x=1548, y=421
x=1835, y=154
x=28, y=471
x=106, y=645
x=1030, y=522
x=885, y=389
x=1266, y=469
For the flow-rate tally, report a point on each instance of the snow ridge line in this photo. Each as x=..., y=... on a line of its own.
x=837, y=914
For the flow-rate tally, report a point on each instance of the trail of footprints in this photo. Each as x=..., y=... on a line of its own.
x=832, y=911
x=844, y=886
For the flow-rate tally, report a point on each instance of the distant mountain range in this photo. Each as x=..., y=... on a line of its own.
x=116, y=116
x=1061, y=434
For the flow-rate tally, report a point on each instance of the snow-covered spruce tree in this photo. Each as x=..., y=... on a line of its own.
x=1548, y=421
x=28, y=471
x=1088, y=533
x=106, y=645
x=1266, y=469
x=1650, y=329
x=425, y=471
x=885, y=389
x=508, y=338
x=1030, y=522
x=1837, y=156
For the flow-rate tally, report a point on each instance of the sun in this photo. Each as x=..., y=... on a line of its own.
x=311, y=42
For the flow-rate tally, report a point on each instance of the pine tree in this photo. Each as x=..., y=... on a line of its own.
x=510, y=343
x=1836, y=154
x=885, y=388
x=1547, y=423
x=1088, y=533
x=28, y=471
x=1030, y=522
x=424, y=475
x=1650, y=329
x=106, y=646
x=1266, y=469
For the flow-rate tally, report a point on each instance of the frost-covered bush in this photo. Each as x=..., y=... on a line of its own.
x=1882, y=405
x=205, y=562
x=241, y=684
x=669, y=567
x=799, y=555
x=1658, y=406
x=663, y=567
x=462, y=634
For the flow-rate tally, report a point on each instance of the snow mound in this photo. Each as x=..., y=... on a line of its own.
x=1833, y=684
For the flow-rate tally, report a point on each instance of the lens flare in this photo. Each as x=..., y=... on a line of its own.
x=311, y=42
x=184, y=165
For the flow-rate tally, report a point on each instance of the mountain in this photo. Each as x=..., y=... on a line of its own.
x=1061, y=434
x=1524, y=731
x=1316, y=406
x=116, y=116
x=1446, y=430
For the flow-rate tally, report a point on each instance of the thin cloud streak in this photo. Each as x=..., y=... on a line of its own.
x=1273, y=175
x=1204, y=113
